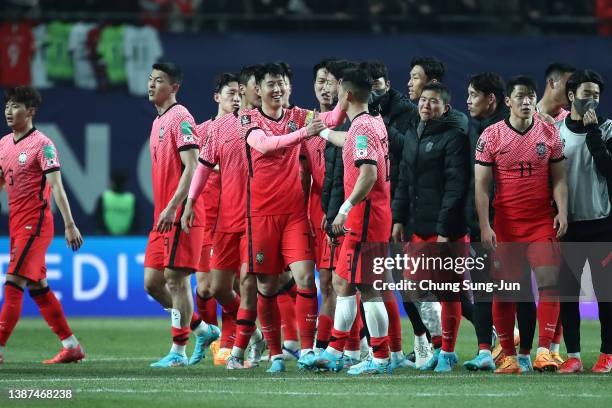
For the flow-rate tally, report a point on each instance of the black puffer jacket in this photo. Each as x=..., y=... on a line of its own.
x=434, y=177
x=332, y=196
x=476, y=127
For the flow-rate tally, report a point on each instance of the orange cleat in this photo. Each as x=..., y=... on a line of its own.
x=571, y=365
x=545, y=362
x=500, y=358
x=508, y=365
x=220, y=357
x=557, y=357
x=73, y=355
x=604, y=364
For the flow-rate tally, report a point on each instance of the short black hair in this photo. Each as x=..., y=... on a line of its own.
x=581, y=76
x=224, y=79
x=247, y=72
x=377, y=69
x=321, y=64
x=359, y=82
x=489, y=83
x=433, y=67
x=174, y=72
x=521, y=80
x=287, y=69
x=439, y=87
x=28, y=95
x=337, y=67
x=556, y=69
x=271, y=69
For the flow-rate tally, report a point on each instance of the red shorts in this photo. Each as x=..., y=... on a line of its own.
x=28, y=256
x=205, y=256
x=228, y=252
x=175, y=249
x=277, y=241
x=327, y=258
x=356, y=261
x=428, y=248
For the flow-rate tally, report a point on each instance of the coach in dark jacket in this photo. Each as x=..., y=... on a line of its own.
x=332, y=196
x=434, y=171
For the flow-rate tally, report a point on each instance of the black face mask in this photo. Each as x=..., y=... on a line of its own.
x=582, y=106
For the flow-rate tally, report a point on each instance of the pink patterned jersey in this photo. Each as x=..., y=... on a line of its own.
x=367, y=143
x=314, y=151
x=225, y=147
x=521, y=167
x=24, y=165
x=212, y=190
x=172, y=132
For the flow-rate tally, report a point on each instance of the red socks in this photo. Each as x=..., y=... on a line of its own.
x=353, y=342
x=503, y=319
x=269, y=318
x=180, y=337
x=207, y=309
x=245, y=326
x=548, y=316
x=451, y=318
x=395, y=325
x=228, y=322
x=11, y=310
x=380, y=347
x=306, y=308
x=338, y=338
x=286, y=304
x=51, y=309
x=324, y=331
x=558, y=332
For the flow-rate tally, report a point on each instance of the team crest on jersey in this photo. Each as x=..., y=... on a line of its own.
x=245, y=120
x=480, y=146
x=22, y=158
x=259, y=257
x=292, y=126
x=541, y=149
x=161, y=133
x=428, y=147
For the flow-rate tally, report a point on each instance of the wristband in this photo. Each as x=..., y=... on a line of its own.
x=325, y=133
x=345, y=207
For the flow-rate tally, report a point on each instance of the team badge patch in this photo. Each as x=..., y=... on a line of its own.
x=361, y=146
x=480, y=145
x=22, y=158
x=292, y=126
x=187, y=132
x=245, y=120
x=161, y=133
x=541, y=149
x=259, y=257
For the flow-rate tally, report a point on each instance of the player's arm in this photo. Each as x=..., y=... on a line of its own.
x=600, y=150
x=559, y=186
x=337, y=138
x=365, y=182
x=198, y=182
x=189, y=158
x=334, y=117
x=74, y=239
x=400, y=207
x=264, y=143
x=483, y=177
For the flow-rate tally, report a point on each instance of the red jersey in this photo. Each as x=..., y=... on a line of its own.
x=172, y=132
x=16, y=50
x=521, y=167
x=367, y=143
x=274, y=185
x=561, y=115
x=314, y=151
x=25, y=164
x=224, y=146
x=212, y=190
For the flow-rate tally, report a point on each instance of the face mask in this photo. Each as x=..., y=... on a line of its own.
x=583, y=105
x=376, y=95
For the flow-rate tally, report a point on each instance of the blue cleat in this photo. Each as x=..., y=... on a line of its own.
x=171, y=360
x=433, y=361
x=400, y=362
x=482, y=362
x=369, y=367
x=307, y=361
x=291, y=354
x=278, y=366
x=525, y=364
x=446, y=362
x=328, y=362
x=202, y=343
x=348, y=362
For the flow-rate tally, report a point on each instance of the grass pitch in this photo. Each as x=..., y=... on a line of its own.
x=116, y=373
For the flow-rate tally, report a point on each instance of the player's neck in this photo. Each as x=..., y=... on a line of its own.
x=164, y=106
x=325, y=108
x=19, y=133
x=273, y=113
x=549, y=107
x=520, y=124
x=355, y=109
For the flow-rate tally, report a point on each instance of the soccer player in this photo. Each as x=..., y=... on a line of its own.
x=525, y=157
x=30, y=170
x=587, y=141
x=326, y=102
x=554, y=101
x=227, y=96
x=172, y=256
x=365, y=217
x=277, y=227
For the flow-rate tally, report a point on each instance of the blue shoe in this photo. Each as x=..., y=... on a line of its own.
x=328, y=362
x=348, y=362
x=171, y=360
x=278, y=366
x=202, y=343
x=433, y=361
x=525, y=364
x=482, y=362
x=291, y=354
x=446, y=362
x=307, y=361
x=400, y=362
x=369, y=367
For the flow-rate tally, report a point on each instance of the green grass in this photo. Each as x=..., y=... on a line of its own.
x=116, y=373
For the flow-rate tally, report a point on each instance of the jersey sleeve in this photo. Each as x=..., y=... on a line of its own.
x=484, y=149
x=556, y=154
x=47, y=157
x=184, y=133
x=362, y=143
x=209, y=155
x=248, y=123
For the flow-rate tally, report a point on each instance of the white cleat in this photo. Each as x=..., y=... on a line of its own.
x=422, y=351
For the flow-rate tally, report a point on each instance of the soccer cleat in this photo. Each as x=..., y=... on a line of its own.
x=221, y=357
x=255, y=351
x=235, y=363
x=500, y=357
x=369, y=367
x=400, y=362
x=171, y=360
x=411, y=356
x=525, y=363
x=557, y=357
x=482, y=362
x=545, y=362
x=328, y=362
x=307, y=361
x=203, y=341
x=422, y=351
x=433, y=361
x=571, y=365
x=498, y=352
x=65, y=355
x=509, y=365
x=290, y=355
x=446, y=362
x=277, y=366
x=348, y=362
x=604, y=364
